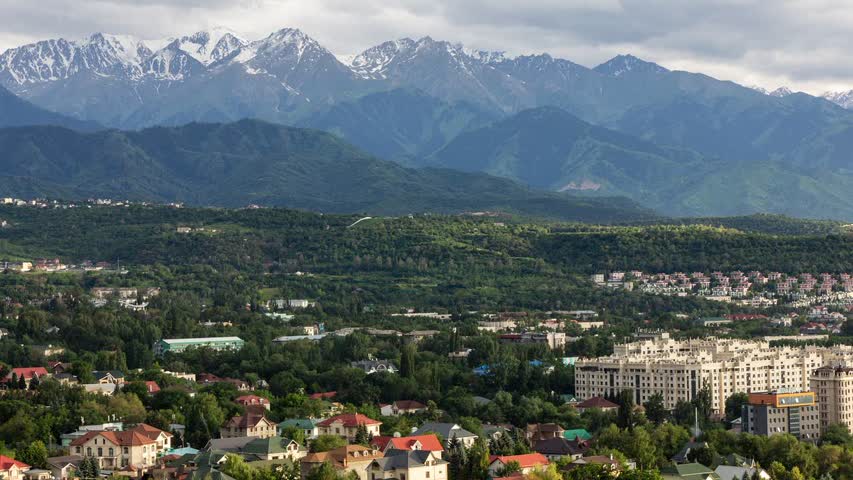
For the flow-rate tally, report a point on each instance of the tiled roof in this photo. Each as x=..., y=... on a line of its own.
x=127, y=438
x=349, y=420
x=245, y=421
x=322, y=395
x=427, y=443
x=6, y=463
x=27, y=372
x=251, y=400
x=409, y=405
x=597, y=402
x=524, y=461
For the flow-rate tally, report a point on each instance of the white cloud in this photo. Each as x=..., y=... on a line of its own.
x=801, y=43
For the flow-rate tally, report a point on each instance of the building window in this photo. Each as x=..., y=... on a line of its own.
x=100, y=452
x=111, y=451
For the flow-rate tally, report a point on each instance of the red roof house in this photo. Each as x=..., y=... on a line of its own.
x=323, y=395
x=415, y=442
x=600, y=403
x=9, y=465
x=527, y=462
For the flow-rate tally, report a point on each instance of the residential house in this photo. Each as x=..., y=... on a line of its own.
x=152, y=387
x=374, y=366
x=447, y=431
x=47, y=351
x=351, y=458
x=67, y=438
x=138, y=447
x=577, y=434
x=308, y=426
x=28, y=373
x=250, y=401
x=527, y=462
x=608, y=462
x=408, y=465
x=115, y=377
x=59, y=367
x=543, y=431
x=428, y=442
x=210, y=379
x=258, y=449
x=248, y=425
x=725, y=472
x=403, y=407
x=64, y=467
x=688, y=471
x=11, y=469
x=346, y=425
x=107, y=389
x=555, y=449
x=599, y=403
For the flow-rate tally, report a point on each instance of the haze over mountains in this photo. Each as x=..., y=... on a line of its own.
x=682, y=143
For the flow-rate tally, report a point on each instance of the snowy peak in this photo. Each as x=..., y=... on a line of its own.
x=623, y=64
x=210, y=46
x=373, y=62
x=51, y=60
x=843, y=99
x=286, y=47
x=487, y=57
x=781, y=92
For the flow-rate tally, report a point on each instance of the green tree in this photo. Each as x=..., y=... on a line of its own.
x=324, y=443
x=407, y=361
x=837, y=434
x=655, y=409
x=625, y=415
x=361, y=435
x=237, y=467
x=35, y=454
x=508, y=469
x=734, y=405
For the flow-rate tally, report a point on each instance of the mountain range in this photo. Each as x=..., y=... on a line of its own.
x=681, y=142
x=254, y=162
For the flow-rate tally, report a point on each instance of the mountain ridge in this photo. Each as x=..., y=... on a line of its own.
x=254, y=162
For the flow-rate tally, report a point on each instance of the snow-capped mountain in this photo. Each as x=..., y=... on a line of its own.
x=218, y=75
x=52, y=60
x=781, y=92
x=623, y=64
x=844, y=99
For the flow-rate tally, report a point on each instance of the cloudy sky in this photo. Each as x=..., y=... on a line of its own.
x=804, y=44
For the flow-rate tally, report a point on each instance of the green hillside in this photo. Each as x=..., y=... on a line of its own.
x=252, y=162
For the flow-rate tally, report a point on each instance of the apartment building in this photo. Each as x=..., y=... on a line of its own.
x=782, y=412
x=833, y=386
x=680, y=369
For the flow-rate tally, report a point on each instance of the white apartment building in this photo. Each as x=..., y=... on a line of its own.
x=833, y=386
x=679, y=369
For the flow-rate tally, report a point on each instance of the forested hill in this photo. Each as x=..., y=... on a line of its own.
x=257, y=238
x=252, y=162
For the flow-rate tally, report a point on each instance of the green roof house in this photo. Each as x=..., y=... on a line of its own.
x=688, y=471
x=308, y=426
x=577, y=433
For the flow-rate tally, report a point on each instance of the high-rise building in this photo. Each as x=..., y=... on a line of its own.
x=833, y=386
x=782, y=412
x=680, y=369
